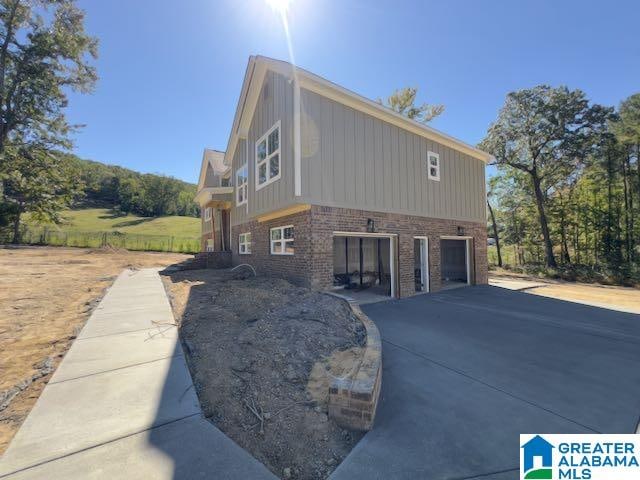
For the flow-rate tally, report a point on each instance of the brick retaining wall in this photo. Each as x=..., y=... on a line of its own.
x=353, y=401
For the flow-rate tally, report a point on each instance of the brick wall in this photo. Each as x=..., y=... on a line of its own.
x=326, y=220
x=292, y=267
x=312, y=263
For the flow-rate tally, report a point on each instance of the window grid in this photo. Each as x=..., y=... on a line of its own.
x=244, y=243
x=268, y=161
x=433, y=166
x=242, y=185
x=282, y=240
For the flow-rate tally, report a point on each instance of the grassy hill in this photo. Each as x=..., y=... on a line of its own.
x=102, y=227
x=107, y=220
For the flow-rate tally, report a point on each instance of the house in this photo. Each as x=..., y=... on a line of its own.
x=331, y=190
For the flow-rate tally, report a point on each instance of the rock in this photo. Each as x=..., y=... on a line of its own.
x=331, y=461
x=286, y=473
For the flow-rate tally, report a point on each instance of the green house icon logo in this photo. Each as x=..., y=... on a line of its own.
x=542, y=468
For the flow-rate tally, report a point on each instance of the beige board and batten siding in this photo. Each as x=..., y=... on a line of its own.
x=351, y=159
x=275, y=103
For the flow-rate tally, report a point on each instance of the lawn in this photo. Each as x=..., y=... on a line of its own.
x=106, y=220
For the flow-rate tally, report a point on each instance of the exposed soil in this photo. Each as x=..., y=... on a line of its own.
x=261, y=352
x=619, y=298
x=46, y=295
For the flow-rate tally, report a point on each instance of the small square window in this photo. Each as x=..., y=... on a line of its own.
x=282, y=241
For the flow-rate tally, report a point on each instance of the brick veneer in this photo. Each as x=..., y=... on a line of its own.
x=312, y=263
x=292, y=267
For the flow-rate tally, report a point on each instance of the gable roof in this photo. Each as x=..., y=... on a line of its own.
x=214, y=159
x=252, y=84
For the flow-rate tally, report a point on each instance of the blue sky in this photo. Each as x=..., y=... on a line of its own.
x=171, y=72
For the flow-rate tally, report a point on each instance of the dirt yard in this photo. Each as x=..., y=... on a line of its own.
x=625, y=299
x=46, y=295
x=261, y=352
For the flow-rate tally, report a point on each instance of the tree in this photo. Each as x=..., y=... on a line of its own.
x=627, y=130
x=37, y=182
x=492, y=184
x=43, y=53
x=545, y=132
x=403, y=101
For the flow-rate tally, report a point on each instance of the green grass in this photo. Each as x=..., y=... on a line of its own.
x=101, y=227
x=105, y=220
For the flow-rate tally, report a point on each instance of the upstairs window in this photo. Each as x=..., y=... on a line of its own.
x=207, y=214
x=433, y=166
x=244, y=243
x=268, y=157
x=282, y=240
x=242, y=184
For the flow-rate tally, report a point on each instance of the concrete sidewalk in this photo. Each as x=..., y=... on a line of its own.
x=122, y=404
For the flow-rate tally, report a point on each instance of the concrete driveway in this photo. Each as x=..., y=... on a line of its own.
x=467, y=370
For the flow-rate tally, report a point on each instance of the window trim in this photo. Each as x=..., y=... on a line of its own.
x=246, y=243
x=265, y=137
x=437, y=167
x=207, y=214
x=282, y=240
x=243, y=186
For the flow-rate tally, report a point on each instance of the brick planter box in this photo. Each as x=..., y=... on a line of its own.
x=353, y=401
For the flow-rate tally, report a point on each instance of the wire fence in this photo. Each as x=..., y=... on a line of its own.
x=129, y=241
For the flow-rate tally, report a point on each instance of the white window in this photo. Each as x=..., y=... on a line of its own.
x=242, y=183
x=433, y=166
x=282, y=240
x=207, y=214
x=268, y=157
x=244, y=243
x=209, y=244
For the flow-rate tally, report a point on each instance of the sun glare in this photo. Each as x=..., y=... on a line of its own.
x=280, y=6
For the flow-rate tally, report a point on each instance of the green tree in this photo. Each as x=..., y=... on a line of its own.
x=44, y=52
x=545, y=132
x=403, y=101
x=627, y=131
x=37, y=182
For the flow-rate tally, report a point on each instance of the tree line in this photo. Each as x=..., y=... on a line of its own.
x=148, y=195
x=566, y=194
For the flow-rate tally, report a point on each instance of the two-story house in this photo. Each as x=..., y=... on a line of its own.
x=331, y=190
